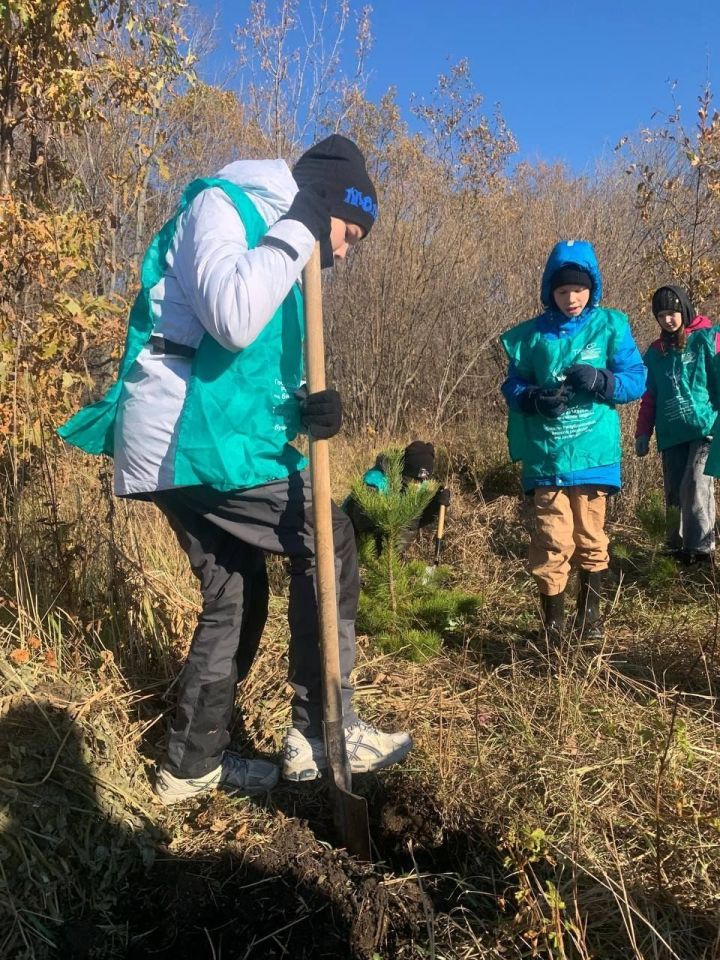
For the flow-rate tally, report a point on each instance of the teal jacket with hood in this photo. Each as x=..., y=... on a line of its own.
x=682, y=399
x=583, y=445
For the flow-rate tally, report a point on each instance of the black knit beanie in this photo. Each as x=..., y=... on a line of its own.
x=418, y=460
x=339, y=166
x=673, y=300
x=570, y=275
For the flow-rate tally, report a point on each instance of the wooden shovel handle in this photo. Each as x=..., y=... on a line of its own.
x=349, y=811
x=439, y=534
x=322, y=511
x=441, y=522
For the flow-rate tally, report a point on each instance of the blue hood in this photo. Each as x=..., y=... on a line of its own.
x=572, y=251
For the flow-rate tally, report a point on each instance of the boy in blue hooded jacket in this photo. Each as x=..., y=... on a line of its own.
x=569, y=367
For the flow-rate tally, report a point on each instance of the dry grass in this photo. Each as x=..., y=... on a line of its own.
x=557, y=803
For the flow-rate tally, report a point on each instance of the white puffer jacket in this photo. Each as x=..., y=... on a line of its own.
x=213, y=284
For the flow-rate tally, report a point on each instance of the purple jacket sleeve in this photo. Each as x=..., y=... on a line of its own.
x=646, y=415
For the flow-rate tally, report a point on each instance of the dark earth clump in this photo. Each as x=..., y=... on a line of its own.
x=220, y=880
x=291, y=897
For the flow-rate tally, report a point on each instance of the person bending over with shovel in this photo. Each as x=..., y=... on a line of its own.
x=209, y=396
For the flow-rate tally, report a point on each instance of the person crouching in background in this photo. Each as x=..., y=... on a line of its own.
x=418, y=465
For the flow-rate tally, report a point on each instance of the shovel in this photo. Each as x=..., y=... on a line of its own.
x=439, y=535
x=430, y=570
x=349, y=811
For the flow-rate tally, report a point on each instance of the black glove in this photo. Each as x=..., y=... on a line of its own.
x=548, y=403
x=320, y=412
x=597, y=380
x=642, y=445
x=442, y=497
x=311, y=207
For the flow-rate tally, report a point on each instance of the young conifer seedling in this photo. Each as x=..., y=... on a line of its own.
x=401, y=608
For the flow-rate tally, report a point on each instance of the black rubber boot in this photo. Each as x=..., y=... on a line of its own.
x=589, y=619
x=553, y=615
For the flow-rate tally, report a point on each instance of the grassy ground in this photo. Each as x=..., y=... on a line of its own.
x=558, y=803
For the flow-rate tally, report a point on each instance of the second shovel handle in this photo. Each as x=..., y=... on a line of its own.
x=441, y=522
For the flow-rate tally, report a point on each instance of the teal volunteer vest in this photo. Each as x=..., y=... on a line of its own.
x=587, y=435
x=240, y=413
x=680, y=382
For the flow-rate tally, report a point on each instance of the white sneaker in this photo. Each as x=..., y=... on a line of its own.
x=235, y=774
x=367, y=747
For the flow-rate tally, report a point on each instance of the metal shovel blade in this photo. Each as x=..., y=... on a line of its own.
x=350, y=812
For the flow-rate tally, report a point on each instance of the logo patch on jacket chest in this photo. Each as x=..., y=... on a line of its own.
x=591, y=351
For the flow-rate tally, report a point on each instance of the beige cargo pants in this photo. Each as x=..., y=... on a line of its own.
x=569, y=524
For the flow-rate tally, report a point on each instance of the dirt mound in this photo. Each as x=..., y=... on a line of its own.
x=290, y=897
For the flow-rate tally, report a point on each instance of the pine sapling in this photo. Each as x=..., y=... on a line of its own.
x=400, y=607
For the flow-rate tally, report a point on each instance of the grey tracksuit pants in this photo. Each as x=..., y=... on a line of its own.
x=225, y=536
x=691, y=525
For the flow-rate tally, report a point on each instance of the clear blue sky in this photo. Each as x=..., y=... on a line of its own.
x=571, y=78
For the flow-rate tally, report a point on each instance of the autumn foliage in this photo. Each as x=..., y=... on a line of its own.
x=577, y=798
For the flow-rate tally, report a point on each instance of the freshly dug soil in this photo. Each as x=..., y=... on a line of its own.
x=291, y=897
x=290, y=894
x=216, y=880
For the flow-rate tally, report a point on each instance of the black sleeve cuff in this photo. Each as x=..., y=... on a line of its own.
x=269, y=241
